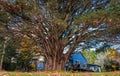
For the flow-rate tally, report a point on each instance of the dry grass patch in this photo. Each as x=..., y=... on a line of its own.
x=59, y=74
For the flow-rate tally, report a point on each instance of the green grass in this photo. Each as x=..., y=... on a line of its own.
x=59, y=74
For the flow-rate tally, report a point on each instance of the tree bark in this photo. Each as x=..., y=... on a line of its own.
x=54, y=64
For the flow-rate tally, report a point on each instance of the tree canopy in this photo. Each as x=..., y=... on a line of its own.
x=58, y=27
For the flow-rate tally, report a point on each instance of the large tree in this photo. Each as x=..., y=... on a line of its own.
x=58, y=27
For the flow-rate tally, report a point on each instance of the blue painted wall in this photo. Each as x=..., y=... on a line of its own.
x=78, y=57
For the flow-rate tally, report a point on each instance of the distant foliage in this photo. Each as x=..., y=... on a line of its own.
x=109, y=60
x=90, y=56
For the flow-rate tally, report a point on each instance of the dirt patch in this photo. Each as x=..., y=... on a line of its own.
x=4, y=74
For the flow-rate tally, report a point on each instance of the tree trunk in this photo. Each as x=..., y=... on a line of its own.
x=54, y=64
x=3, y=53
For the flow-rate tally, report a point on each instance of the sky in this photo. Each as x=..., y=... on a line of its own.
x=117, y=47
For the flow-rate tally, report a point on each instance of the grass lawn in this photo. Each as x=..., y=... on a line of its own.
x=59, y=74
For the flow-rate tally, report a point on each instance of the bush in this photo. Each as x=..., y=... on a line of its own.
x=111, y=65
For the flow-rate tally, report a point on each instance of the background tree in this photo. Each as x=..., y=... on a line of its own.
x=26, y=51
x=58, y=27
x=90, y=55
x=108, y=59
x=9, y=56
x=113, y=59
x=3, y=51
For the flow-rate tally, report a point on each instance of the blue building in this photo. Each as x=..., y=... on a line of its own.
x=78, y=57
x=40, y=66
x=78, y=62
